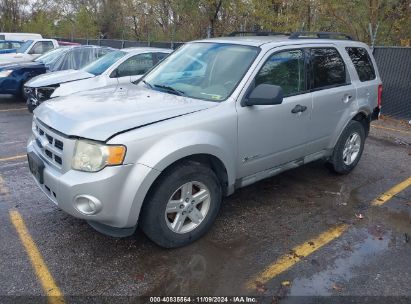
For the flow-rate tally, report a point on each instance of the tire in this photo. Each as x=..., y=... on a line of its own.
x=167, y=191
x=340, y=162
x=22, y=95
x=31, y=107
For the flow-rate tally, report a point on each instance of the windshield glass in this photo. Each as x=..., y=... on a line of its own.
x=51, y=56
x=24, y=47
x=102, y=64
x=203, y=70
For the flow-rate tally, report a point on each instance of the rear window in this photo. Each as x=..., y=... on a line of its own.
x=362, y=63
x=328, y=68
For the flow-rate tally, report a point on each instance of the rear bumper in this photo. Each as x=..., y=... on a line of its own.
x=375, y=114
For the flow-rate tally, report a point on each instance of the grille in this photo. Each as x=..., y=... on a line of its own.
x=48, y=145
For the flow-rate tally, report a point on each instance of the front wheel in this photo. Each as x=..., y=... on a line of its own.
x=182, y=205
x=30, y=105
x=349, y=148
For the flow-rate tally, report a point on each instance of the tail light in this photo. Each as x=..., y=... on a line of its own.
x=379, y=95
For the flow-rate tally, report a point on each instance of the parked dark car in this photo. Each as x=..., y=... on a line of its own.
x=14, y=76
x=9, y=46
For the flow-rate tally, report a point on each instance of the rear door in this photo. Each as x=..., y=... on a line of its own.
x=334, y=97
x=366, y=79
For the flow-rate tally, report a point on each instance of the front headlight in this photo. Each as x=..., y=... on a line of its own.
x=5, y=73
x=92, y=156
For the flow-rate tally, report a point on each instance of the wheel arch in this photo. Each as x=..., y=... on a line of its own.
x=361, y=116
x=211, y=160
x=364, y=119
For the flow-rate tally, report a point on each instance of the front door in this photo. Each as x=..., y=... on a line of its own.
x=272, y=135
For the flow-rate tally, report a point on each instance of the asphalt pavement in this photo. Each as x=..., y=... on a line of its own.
x=305, y=232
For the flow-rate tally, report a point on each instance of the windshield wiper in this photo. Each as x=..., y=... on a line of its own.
x=146, y=83
x=170, y=89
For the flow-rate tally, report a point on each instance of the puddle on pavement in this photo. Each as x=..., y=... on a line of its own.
x=343, y=269
x=202, y=268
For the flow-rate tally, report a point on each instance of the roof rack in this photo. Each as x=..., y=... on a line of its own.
x=320, y=35
x=256, y=33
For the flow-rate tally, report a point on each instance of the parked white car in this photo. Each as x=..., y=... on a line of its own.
x=119, y=67
x=29, y=51
x=19, y=36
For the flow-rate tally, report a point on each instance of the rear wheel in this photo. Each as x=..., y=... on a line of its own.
x=349, y=148
x=182, y=205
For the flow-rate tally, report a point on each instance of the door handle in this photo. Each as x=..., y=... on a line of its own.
x=346, y=98
x=298, y=109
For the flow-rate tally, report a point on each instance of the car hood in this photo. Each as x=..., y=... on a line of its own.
x=58, y=77
x=14, y=57
x=100, y=114
x=20, y=65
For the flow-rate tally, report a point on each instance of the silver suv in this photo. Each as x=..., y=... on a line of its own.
x=214, y=116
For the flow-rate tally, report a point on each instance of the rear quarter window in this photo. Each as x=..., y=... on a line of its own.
x=328, y=68
x=362, y=63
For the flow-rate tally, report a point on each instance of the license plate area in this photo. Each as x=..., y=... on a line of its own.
x=36, y=166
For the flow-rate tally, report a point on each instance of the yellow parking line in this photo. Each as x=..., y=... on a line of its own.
x=297, y=253
x=13, y=157
x=391, y=129
x=43, y=274
x=15, y=109
x=392, y=192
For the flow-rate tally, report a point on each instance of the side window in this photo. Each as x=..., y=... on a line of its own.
x=328, y=68
x=15, y=45
x=161, y=56
x=362, y=63
x=47, y=46
x=135, y=65
x=285, y=69
x=42, y=47
x=103, y=51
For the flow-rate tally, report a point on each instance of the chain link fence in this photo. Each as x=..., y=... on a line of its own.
x=394, y=65
x=119, y=44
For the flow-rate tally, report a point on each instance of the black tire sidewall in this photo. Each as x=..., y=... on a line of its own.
x=338, y=164
x=153, y=220
x=31, y=107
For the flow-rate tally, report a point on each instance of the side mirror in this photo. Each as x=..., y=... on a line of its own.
x=264, y=95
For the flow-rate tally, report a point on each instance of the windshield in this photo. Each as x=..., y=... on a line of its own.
x=24, y=47
x=102, y=64
x=51, y=56
x=203, y=70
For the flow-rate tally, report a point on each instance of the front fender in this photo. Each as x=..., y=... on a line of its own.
x=166, y=152
x=178, y=146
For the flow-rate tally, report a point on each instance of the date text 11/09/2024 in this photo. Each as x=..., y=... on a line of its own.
x=234, y=299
